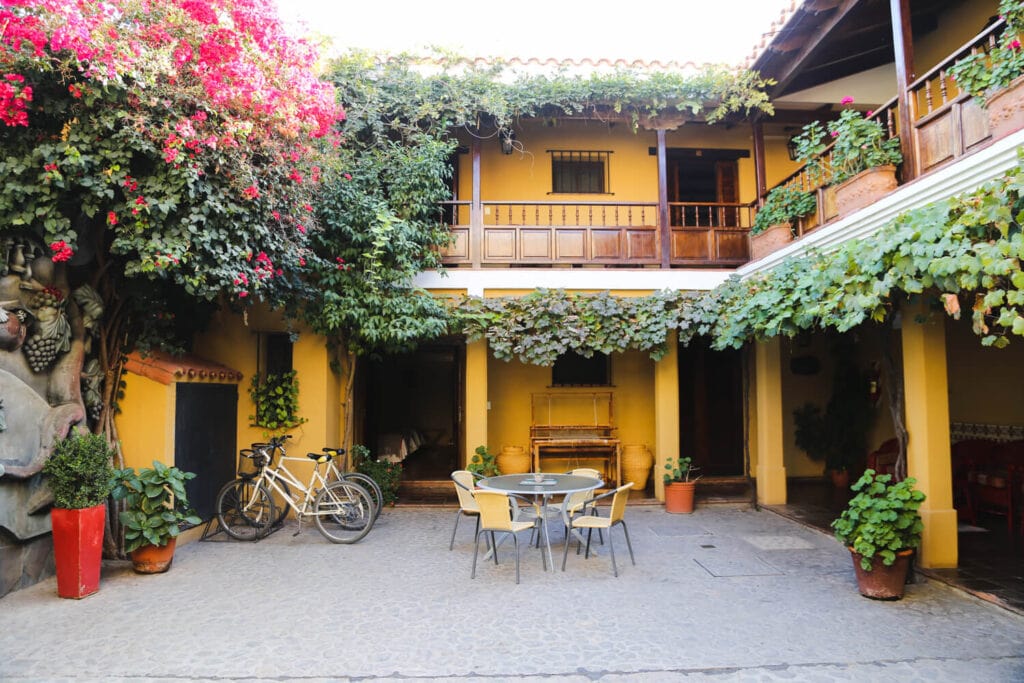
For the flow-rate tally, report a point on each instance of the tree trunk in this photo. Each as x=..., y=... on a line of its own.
x=892, y=378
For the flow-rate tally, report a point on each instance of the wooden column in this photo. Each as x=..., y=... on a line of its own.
x=771, y=468
x=666, y=412
x=925, y=384
x=903, y=47
x=475, y=428
x=664, y=229
x=759, y=172
x=476, y=211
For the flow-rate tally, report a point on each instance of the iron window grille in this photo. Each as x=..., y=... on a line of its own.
x=580, y=171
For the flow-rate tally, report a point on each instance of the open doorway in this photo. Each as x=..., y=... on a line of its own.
x=698, y=178
x=412, y=409
x=711, y=408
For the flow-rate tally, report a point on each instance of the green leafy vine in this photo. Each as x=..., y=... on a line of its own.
x=276, y=397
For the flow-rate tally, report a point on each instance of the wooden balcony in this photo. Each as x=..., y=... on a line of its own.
x=544, y=233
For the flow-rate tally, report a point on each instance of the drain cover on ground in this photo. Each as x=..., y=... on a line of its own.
x=732, y=565
x=671, y=531
x=767, y=542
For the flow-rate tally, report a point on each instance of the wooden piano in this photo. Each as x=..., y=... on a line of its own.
x=575, y=427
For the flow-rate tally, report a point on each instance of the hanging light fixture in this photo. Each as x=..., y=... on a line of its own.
x=507, y=136
x=792, y=148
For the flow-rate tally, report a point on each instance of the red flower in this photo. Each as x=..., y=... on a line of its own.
x=251, y=192
x=75, y=91
x=61, y=251
x=111, y=218
x=1015, y=45
x=846, y=100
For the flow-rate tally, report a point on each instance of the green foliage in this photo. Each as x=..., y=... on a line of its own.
x=784, y=204
x=679, y=469
x=839, y=434
x=484, y=463
x=881, y=519
x=156, y=504
x=276, y=397
x=79, y=471
x=983, y=73
x=857, y=144
x=388, y=475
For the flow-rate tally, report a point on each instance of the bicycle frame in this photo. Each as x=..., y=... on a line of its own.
x=270, y=475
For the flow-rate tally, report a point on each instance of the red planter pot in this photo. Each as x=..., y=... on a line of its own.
x=153, y=559
x=883, y=583
x=679, y=497
x=78, y=549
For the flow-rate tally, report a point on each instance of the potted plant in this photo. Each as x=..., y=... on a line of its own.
x=881, y=527
x=679, y=485
x=387, y=474
x=80, y=478
x=773, y=225
x=863, y=158
x=483, y=463
x=156, y=505
x=994, y=77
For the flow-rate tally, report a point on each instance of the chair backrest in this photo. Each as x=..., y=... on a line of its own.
x=586, y=472
x=464, y=483
x=619, y=501
x=495, y=513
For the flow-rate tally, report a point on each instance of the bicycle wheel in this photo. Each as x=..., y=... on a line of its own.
x=245, y=510
x=371, y=486
x=343, y=512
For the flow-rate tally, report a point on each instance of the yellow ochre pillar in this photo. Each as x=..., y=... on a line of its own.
x=666, y=413
x=476, y=399
x=771, y=469
x=927, y=410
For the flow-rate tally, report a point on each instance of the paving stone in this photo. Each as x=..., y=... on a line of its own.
x=399, y=606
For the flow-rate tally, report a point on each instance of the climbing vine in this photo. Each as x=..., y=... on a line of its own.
x=964, y=252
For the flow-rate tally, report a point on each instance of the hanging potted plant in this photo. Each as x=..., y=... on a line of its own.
x=773, y=225
x=994, y=78
x=862, y=157
x=156, y=506
x=881, y=527
x=80, y=478
x=680, y=485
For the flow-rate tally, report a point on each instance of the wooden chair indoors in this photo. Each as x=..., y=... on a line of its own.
x=614, y=518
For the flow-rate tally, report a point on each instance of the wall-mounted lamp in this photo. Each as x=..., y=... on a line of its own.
x=791, y=147
x=507, y=136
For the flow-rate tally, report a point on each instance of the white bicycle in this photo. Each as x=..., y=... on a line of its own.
x=342, y=510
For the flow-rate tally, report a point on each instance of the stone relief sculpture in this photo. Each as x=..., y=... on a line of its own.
x=44, y=335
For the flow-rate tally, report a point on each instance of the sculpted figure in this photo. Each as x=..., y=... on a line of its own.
x=42, y=349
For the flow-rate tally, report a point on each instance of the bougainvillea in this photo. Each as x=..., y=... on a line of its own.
x=165, y=150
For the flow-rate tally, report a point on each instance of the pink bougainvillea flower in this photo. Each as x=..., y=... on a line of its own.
x=348, y=176
x=835, y=133
x=50, y=167
x=243, y=294
x=251, y=192
x=75, y=91
x=847, y=100
x=1015, y=45
x=111, y=218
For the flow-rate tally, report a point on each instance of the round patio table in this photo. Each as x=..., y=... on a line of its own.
x=551, y=485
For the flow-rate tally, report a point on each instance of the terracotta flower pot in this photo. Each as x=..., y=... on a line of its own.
x=865, y=189
x=773, y=238
x=1006, y=109
x=78, y=549
x=636, y=465
x=882, y=582
x=153, y=559
x=679, y=497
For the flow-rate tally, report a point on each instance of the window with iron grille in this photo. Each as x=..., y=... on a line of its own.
x=579, y=172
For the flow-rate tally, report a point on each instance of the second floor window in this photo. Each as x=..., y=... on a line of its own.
x=579, y=172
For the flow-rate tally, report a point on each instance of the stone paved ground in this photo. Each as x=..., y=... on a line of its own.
x=720, y=595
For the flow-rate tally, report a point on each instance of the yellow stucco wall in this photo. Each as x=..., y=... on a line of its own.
x=633, y=171
x=145, y=424
x=986, y=385
x=510, y=386
x=956, y=27
x=232, y=340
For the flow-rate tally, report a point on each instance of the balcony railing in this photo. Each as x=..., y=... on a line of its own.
x=596, y=233
x=945, y=125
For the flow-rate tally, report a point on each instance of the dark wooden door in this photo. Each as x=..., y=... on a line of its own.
x=205, y=440
x=711, y=409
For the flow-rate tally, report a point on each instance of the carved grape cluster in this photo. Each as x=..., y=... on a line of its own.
x=40, y=352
